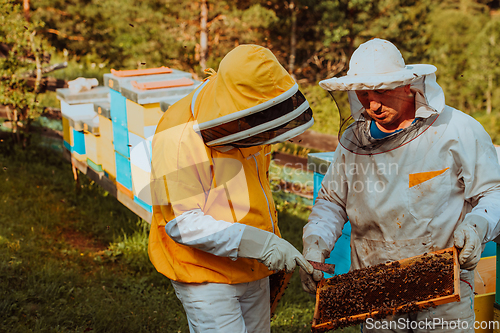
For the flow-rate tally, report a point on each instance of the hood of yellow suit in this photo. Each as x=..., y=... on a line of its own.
x=250, y=82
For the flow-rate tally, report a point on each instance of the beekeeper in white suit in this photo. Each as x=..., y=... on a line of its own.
x=411, y=174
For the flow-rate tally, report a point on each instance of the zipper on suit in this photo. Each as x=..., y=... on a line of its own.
x=265, y=195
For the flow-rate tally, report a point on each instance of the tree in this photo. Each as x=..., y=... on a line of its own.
x=24, y=51
x=123, y=34
x=132, y=33
x=203, y=34
x=293, y=38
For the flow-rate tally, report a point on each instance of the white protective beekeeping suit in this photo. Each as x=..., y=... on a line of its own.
x=430, y=186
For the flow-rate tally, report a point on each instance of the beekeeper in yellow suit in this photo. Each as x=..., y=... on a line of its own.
x=214, y=231
x=412, y=175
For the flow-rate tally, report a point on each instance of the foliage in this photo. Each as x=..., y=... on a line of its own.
x=406, y=24
x=123, y=34
x=134, y=249
x=325, y=111
x=455, y=26
x=231, y=25
x=458, y=36
x=23, y=50
x=483, y=74
x=135, y=34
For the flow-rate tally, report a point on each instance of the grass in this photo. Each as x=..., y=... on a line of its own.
x=77, y=262
x=50, y=283
x=294, y=149
x=325, y=111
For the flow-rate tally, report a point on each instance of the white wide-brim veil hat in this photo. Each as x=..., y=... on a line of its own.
x=378, y=65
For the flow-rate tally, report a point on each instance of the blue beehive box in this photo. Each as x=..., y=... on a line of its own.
x=123, y=171
x=143, y=204
x=168, y=102
x=119, y=118
x=115, y=81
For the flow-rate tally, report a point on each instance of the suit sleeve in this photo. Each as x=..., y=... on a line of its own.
x=480, y=173
x=181, y=181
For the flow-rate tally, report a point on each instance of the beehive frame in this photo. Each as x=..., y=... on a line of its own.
x=455, y=297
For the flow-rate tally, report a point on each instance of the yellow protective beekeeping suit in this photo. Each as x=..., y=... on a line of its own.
x=228, y=184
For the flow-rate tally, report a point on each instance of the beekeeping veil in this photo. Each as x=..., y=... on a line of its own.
x=378, y=65
x=251, y=101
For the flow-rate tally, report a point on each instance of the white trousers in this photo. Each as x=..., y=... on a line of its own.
x=450, y=317
x=217, y=307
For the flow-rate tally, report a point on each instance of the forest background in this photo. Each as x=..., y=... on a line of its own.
x=313, y=39
x=75, y=261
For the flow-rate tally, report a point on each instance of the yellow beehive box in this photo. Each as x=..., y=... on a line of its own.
x=93, y=149
x=108, y=157
x=66, y=130
x=79, y=157
x=141, y=116
x=484, y=286
x=92, y=142
x=141, y=184
x=71, y=138
x=106, y=127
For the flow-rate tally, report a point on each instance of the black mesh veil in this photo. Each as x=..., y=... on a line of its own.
x=261, y=138
x=273, y=121
x=355, y=134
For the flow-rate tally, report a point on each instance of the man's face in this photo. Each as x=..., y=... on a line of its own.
x=389, y=108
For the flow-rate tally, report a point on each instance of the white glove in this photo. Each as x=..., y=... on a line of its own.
x=315, y=249
x=469, y=236
x=274, y=252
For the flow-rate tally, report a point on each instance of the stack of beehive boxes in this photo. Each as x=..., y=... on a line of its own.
x=111, y=128
x=135, y=97
x=77, y=114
